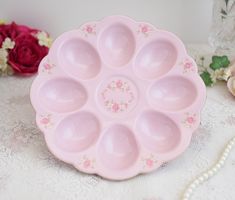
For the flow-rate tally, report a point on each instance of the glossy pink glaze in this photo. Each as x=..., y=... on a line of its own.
x=117, y=97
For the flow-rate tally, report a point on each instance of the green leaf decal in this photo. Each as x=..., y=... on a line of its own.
x=219, y=62
x=206, y=77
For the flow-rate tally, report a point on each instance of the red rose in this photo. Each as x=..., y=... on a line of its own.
x=4, y=30
x=25, y=57
x=16, y=30
x=13, y=30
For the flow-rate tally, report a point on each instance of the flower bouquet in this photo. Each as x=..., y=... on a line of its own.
x=21, y=48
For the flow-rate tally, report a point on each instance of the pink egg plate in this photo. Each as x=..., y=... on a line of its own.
x=117, y=97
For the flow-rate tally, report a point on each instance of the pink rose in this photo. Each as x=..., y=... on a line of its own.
x=149, y=162
x=190, y=120
x=119, y=84
x=115, y=107
x=45, y=120
x=86, y=163
x=144, y=29
x=89, y=29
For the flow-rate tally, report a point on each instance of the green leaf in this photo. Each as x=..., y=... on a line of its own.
x=206, y=77
x=215, y=65
x=219, y=62
x=223, y=12
x=225, y=61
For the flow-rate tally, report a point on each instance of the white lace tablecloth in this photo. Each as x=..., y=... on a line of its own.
x=29, y=171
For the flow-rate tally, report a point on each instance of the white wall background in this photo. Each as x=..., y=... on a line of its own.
x=189, y=19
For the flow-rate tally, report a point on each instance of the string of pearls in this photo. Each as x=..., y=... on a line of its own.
x=210, y=172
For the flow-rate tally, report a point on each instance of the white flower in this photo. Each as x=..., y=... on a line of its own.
x=44, y=39
x=3, y=58
x=220, y=74
x=8, y=44
x=227, y=73
x=5, y=69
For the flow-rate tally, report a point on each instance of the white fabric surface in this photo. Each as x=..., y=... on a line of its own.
x=29, y=171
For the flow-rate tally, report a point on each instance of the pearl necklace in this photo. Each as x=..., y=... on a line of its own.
x=210, y=172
